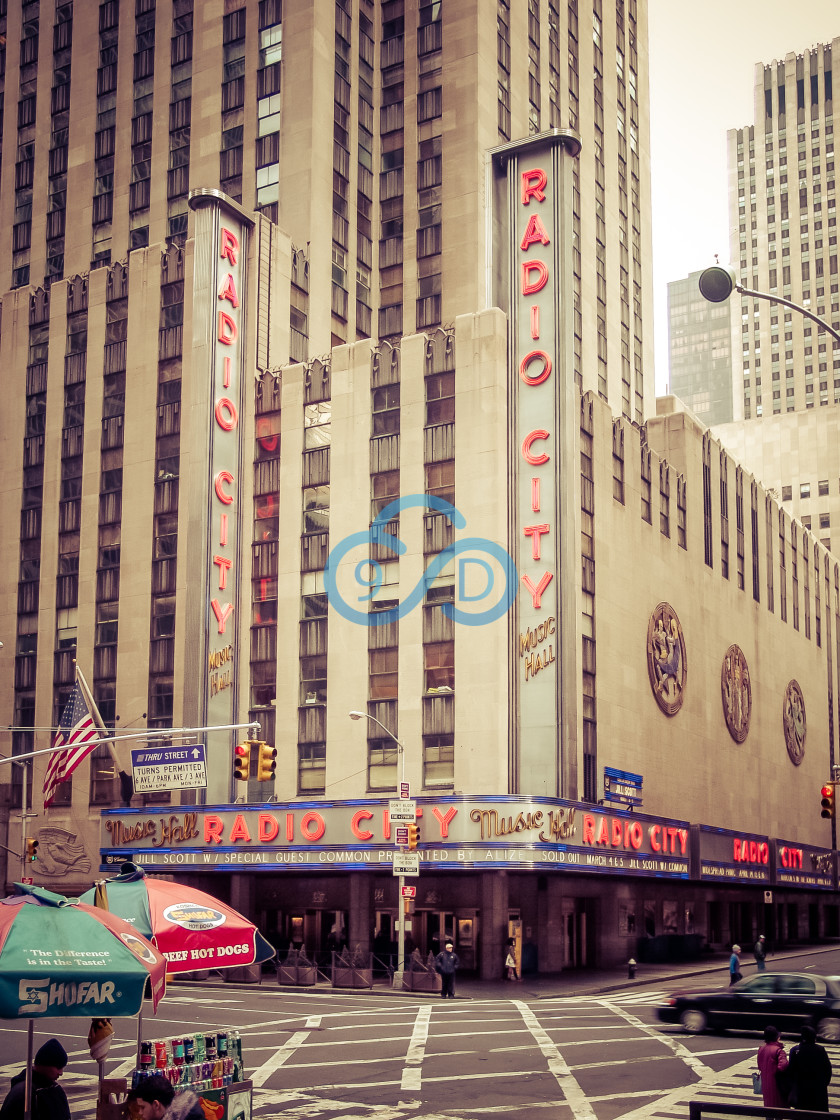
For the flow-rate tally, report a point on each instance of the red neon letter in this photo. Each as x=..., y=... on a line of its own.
x=361, y=815
x=536, y=592
x=267, y=827
x=588, y=829
x=529, y=286
x=227, y=329
x=535, y=322
x=535, y=532
x=228, y=291
x=309, y=819
x=224, y=566
x=240, y=829
x=226, y=414
x=444, y=820
x=543, y=375
x=221, y=478
x=229, y=246
x=535, y=495
x=533, y=182
x=534, y=231
x=213, y=829
x=222, y=613
x=527, y=455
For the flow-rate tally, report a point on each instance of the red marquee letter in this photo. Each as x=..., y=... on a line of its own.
x=533, y=182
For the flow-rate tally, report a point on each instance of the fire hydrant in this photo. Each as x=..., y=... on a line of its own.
x=631, y=969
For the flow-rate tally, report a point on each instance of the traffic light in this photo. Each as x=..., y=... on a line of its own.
x=266, y=762
x=828, y=807
x=413, y=836
x=242, y=761
x=31, y=849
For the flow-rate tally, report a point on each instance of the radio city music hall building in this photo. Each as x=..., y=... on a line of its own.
x=617, y=687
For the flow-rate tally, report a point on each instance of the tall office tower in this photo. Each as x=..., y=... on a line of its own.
x=783, y=237
x=699, y=351
x=360, y=128
x=783, y=242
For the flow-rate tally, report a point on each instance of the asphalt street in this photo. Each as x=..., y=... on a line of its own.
x=497, y=1049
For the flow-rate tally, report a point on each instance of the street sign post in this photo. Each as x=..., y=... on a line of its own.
x=161, y=768
x=401, y=835
x=402, y=809
x=405, y=789
x=406, y=863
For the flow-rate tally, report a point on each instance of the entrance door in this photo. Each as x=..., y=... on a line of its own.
x=575, y=933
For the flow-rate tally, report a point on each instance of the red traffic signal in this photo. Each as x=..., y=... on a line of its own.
x=242, y=761
x=828, y=807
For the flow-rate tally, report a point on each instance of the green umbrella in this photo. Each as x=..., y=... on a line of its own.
x=61, y=957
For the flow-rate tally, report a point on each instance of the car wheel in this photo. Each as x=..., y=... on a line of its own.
x=693, y=1020
x=829, y=1030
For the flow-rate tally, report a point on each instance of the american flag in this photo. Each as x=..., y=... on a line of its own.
x=78, y=735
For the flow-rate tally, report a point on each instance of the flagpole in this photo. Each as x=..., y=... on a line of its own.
x=94, y=711
x=126, y=781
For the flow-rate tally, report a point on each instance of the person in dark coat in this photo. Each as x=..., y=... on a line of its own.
x=810, y=1073
x=446, y=962
x=157, y=1099
x=49, y=1101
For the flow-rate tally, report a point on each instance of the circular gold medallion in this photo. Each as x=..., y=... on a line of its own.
x=736, y=693
x=666, y=658
x=793, y=719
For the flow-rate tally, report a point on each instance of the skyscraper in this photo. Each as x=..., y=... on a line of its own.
x=783, y=241
x=700, y=361
x=783, y=237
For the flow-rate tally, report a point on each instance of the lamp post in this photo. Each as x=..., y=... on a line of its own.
x=718, y=283
x=398, y=973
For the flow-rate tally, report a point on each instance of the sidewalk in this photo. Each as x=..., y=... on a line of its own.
x=712, y=970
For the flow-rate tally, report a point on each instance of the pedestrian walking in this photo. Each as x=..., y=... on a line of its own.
x=446, y=962
x=735, y=965
x=771, y=1059
x=810, y=1073
x=49, y=1101
x=510, y=961
x=760, y=952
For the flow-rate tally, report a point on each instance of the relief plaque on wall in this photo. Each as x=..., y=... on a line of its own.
x=736, y=693
x=793, y=719
x=666, y=658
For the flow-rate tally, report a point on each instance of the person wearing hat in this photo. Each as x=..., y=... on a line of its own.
x=49, y=1101
x=446, y=962
x=155, y=1098
x=760, y=952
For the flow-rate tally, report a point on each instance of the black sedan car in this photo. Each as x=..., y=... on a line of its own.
x=782, y=999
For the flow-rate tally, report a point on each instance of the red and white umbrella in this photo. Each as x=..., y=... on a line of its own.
x=192, y=929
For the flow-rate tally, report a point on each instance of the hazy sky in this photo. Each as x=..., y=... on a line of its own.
x=702, y=60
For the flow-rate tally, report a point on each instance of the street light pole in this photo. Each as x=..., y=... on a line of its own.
x=718, y=283
x=398, y=974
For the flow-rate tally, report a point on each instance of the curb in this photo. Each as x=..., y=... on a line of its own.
x=592, y=988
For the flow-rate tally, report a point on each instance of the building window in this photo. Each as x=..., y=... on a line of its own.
x=440, y=480
x=383, y=757
x=383, y=673
x=439, y=665
x=312, y=768
x=440, y=399
x=385, y=488
x=386, y=410
x=438, y=761
x=316, y=423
